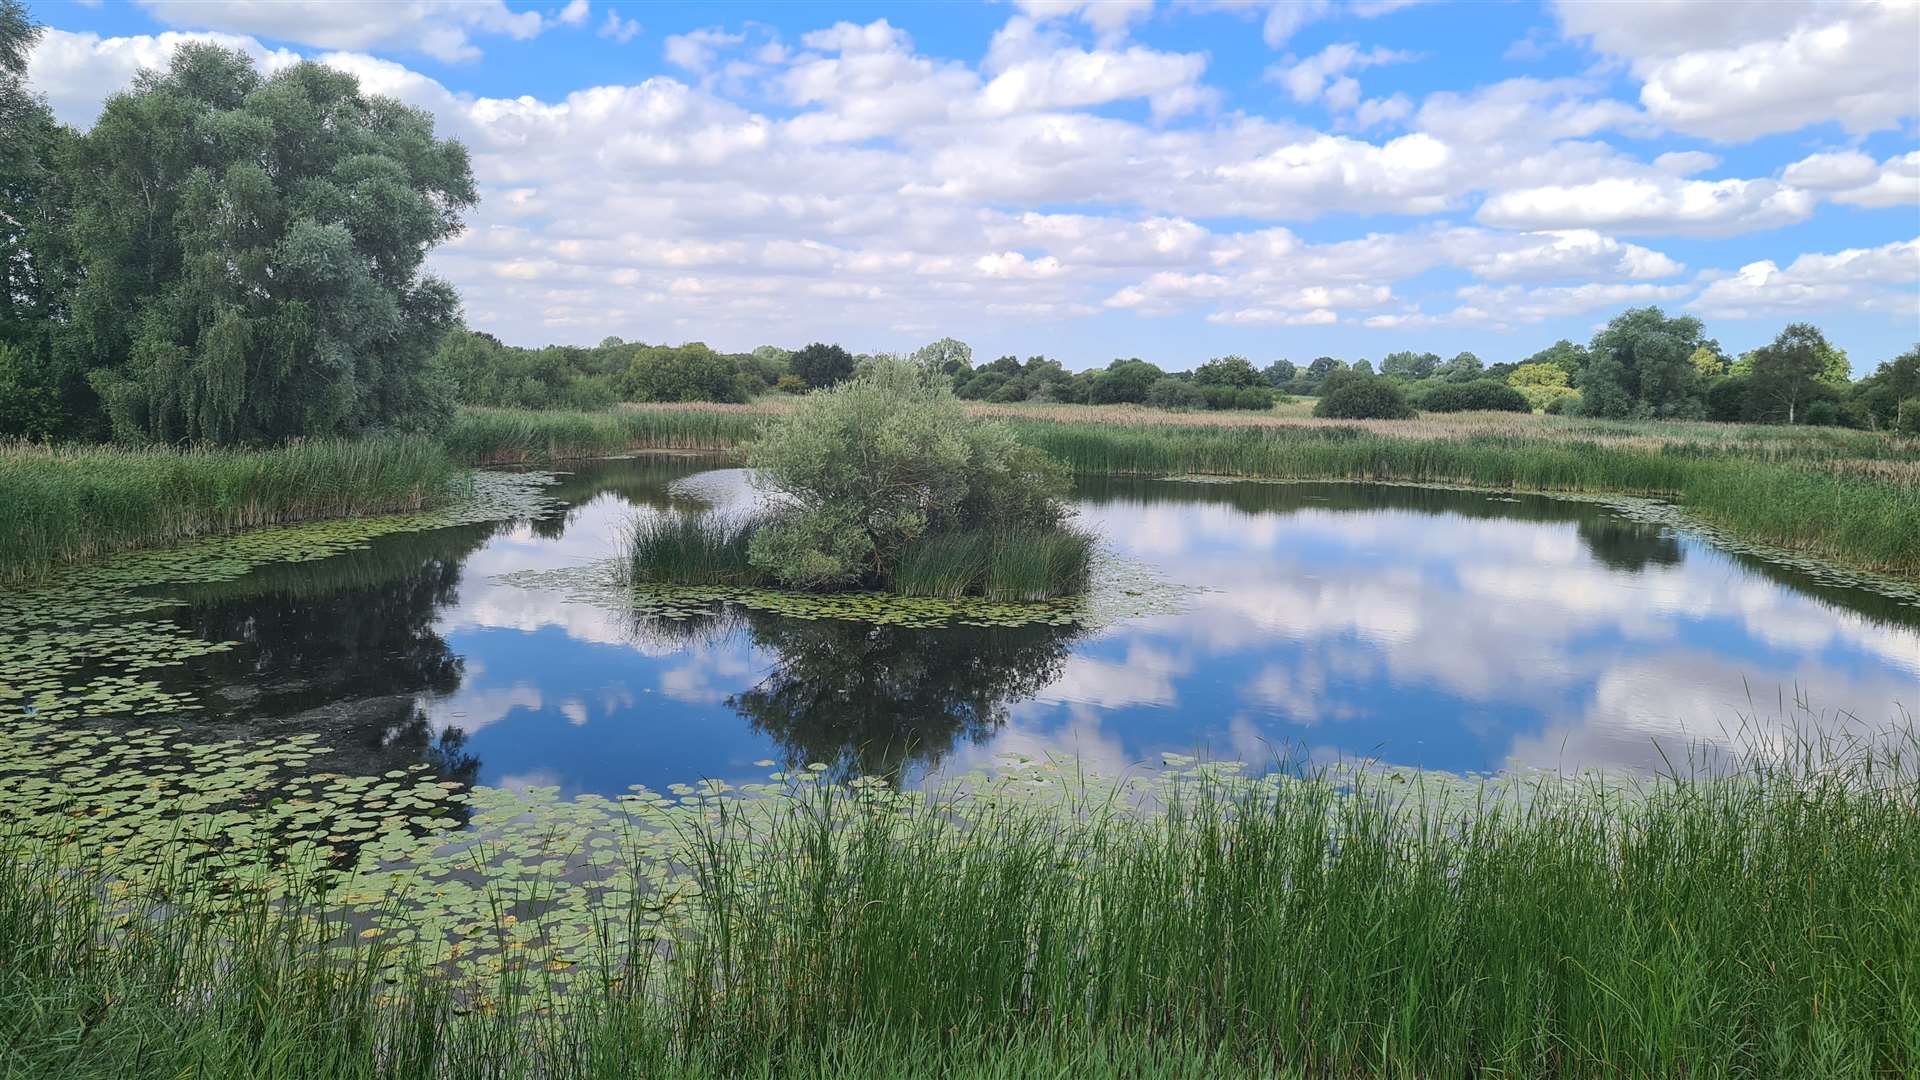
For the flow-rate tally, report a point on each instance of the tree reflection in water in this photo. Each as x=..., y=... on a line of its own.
x=871, y=700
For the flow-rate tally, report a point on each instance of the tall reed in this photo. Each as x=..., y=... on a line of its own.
x=505, y=436
x=692, y=549
x=1755, y=923
x=73, y=503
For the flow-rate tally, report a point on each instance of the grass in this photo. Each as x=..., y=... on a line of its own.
x=515, y=436
x=691, y=549
x=72, y=504
x=1847, y=496
x=1019, y=566
x=1711, y=923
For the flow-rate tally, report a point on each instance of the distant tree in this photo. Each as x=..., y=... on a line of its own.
x=1318, y=371
x=1234, y=371
x=1881, y=400
x=1564, y=355
x=1727, y=398
x=1603, y=390
x=1708, y=362
x=1410, y=365
x=1835, y=369
x=1171, y=393
x=1464, y=367
x=1786, y=372
x=253, y=250
x=1125, y=381
x=822, y=365
x=1489, y=395
x=791, y=384
x=1363, y=367
x=1650, y=353
x=29, y=407
x=1540, y=382
x=1362, y=397
x=948, y=356
x=690, y=372
x=1279, y=374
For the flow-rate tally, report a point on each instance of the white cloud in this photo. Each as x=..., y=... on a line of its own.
x=1111, y=19
x=1739, y=71
x=1688, y=162
x=1652, y=204
x=696, y=50
x=438, y=28
x=1885, y=278
x=77, y=71
x=575, y=13
x=1325, y=72
x=619, y=30
x=1896, y=182
x=1070, y=78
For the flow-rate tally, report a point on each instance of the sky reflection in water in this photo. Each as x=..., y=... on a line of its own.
x=1436, y=629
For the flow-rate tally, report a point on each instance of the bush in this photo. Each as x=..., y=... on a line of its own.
x=1564, y=405
x=1347, y=396
x=1172, y=393
x=1906, y=420
x=866, y=469
x=791, y=384
x=1481, y=394
x=1254, y=399
x=690, y=372
x=822, y=365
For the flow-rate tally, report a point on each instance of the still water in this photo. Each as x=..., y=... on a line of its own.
x=1425, y=628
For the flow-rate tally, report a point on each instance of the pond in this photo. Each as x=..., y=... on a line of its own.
x=1434, y=629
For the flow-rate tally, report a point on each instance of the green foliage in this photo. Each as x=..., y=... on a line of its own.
x=513, y=436
x=865, y=469
x=1007, y=379
x=29, y=407
x=1644, y=357
x=1348, y=396
x=1787, y=373
x=948, y=356
x=1727, y=398
x=1565, y=355
x=822, y=365
x=1312, y=381
x=690, y=372
x=1015, y=566
x=1541, y=383
x=1169, y=392
x=253, y=250
x=791, y=384
x=1880, y=400
x=483, y=371
x=1464, y=367
x=1906, y=418
x=1124, y=382
x=1481, y=394
x=1279, y=374
x=1234, y=371
x=1410, y=365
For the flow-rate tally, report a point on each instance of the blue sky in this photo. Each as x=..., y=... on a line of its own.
x=1167, y=180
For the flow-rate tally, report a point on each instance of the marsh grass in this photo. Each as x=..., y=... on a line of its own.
x=704, y=548
x=1018, y=566
x=72, y=504
x=1763, y=922
x=514, y=436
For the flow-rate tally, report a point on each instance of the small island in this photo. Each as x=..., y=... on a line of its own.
x=883, y=483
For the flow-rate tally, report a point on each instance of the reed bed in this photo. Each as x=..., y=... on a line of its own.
x=1757, y=923
x=1017, y=566
x=692, y=549
x=519, y=436
x=68, y=504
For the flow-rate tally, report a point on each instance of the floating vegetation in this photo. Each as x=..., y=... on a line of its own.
x=72, y=647
x=1120, y=589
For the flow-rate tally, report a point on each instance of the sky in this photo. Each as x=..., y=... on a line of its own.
x=1169, y=180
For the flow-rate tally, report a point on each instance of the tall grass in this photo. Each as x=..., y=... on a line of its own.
x=1764, y=923
x=507, y=436
x=1019, y=566
x=692, y=549
x=70, y=504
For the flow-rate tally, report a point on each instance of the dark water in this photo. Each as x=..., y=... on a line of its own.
x=1435, y=629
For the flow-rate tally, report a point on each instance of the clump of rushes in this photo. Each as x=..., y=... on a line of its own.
x=692, y=549
x=884, y=482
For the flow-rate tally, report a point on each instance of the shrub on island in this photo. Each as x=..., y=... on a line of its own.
x=884, y=482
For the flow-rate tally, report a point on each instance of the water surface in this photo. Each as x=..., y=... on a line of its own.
x=1427, y=628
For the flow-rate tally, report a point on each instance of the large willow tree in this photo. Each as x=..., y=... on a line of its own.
x=252, y=249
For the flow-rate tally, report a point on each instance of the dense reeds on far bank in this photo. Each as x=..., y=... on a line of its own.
x=67, y=504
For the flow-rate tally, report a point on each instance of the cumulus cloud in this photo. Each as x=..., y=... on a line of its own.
x=1652, y=204
x=1326, y=73
x=1738, y=71
x=441, y=29
x=1885, y=278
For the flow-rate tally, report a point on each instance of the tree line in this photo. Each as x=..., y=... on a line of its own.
x=227, y=257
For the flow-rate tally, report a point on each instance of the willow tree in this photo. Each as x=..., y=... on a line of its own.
x=253, y=248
